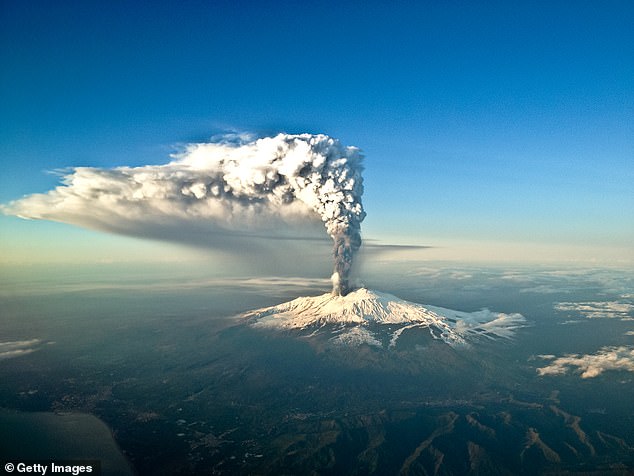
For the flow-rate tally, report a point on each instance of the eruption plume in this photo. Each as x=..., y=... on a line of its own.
x=234, y=186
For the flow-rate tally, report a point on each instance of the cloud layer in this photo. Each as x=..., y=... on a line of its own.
x=18, y=348
x=590, y=365
x=598, y=309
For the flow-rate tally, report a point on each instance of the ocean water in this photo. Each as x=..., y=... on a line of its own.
x=185, y=387
x=39, y=436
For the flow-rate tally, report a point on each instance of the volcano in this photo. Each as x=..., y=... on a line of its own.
x=363, y=315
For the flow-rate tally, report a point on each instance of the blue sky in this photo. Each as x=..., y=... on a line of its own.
x=493, y=130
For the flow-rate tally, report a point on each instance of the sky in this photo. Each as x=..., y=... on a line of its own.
x=493, y=131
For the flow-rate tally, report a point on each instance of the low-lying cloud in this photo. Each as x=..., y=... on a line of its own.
x=18, y=348
x=598, y=309
x=590, y=365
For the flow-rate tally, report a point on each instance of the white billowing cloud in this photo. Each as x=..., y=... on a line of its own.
x=18, y=348
x=225, y=195
x=598, y=309
x=590, y=365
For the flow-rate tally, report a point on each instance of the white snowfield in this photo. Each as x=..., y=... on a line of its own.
x=362, y=307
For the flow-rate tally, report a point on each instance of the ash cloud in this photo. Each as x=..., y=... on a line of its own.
x=222, y=194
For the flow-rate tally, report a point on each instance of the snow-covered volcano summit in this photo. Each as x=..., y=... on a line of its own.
x=361, y=312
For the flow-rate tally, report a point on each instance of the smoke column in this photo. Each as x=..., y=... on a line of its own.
x=314, y=169
x=232, y=184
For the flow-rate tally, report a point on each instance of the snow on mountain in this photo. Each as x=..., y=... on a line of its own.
x=358, y=313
